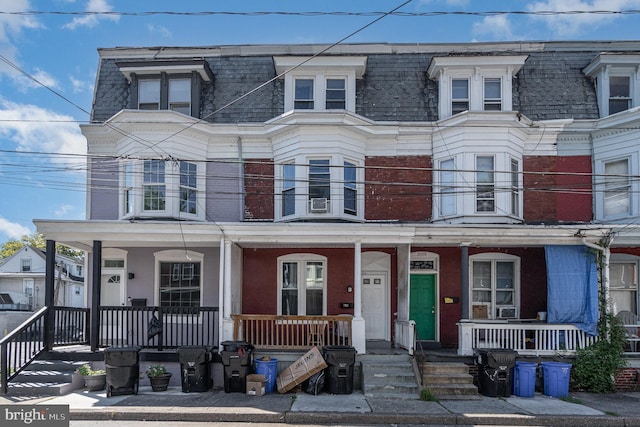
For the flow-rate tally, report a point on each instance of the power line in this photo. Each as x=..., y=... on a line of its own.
x=327, y=13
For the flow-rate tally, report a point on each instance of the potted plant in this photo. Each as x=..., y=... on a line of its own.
x=159, y=377
x=93, y=380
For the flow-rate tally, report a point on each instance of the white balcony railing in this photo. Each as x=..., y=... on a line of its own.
x=527, y=338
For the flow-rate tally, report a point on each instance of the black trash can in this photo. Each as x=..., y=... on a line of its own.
x=123, y=370
x=194, y=368
x=237, y=359
x=494, y=371
x=340, y=361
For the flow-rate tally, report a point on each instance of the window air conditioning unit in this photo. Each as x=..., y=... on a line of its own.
x=507, y=312
x=319, y=205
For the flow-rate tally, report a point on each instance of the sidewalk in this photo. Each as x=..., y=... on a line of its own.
x=619, y=409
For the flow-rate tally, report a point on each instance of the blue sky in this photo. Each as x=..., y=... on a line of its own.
x=42, y=160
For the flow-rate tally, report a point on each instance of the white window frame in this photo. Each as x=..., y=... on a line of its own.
x=188, y=188
x=630, y=291
x=484, y=188
x=320, y=69
x=490, y=102
x=175, y=102
x=605, y=66
x=343, y=91
x=350, y=185
x=447, y=187
x=177, y=256
x=26, y=265
x=459, y=104
x=302, y=195
x=154, y=100
x=132, y=191
x=614, y=185
x=475, y=69
x=301, y=259
x=516, y=185
x=494, y=258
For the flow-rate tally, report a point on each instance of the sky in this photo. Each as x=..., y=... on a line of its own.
x=48, y=63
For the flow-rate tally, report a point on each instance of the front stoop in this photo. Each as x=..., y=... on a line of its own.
x=47, y=378
x=389, y=376
x=449, y=380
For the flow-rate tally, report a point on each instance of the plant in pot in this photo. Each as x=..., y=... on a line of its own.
x=159, y=377
x=93, y=380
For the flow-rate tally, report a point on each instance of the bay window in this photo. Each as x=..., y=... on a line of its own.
x=617, y=188
x=447, y=188
x=350, y=190
x=485, y=184
x=288, y=189
x=153, y=187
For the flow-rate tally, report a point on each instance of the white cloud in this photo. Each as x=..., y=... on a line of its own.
x=80, y=86
x=576, y=24
x=35, y=129
x=12, y=26
x=62, y=210
x=163, y=31
x=12, y=229
x=495, y=27
x=91, y=21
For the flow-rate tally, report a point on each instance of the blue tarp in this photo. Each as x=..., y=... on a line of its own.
x=572, y=287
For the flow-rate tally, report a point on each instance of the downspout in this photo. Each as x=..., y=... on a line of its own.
x=221, y=294
x=241, y=177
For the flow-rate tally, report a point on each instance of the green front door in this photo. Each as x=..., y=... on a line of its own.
x=422, y=305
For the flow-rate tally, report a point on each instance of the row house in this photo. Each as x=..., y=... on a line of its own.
x=444, y=194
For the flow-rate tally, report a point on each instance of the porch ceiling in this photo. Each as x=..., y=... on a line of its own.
x=81, y=234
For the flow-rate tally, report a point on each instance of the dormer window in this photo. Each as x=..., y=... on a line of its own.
x=617, y=79
x=322, y=83
x=475, y=83
x=166, y=85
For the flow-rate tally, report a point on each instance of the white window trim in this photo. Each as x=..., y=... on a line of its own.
x=475, y=69
x=172, y=191
x=600, y=187
x=494, y=257
x=320, y=69
x=619, y=258
x=606, y=65
x=176, y=255
x=301, y=259
x=301, y=189
x=454, y=185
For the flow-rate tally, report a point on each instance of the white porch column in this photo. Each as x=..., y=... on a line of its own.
x=225, y=291
x=357, y=325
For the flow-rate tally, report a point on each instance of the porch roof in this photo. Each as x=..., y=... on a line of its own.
x=81, y=234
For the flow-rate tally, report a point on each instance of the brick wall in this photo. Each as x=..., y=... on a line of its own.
x=398, y=188
x=627, y=379
x=259, y=189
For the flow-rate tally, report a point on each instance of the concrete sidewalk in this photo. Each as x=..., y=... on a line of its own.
x=620, y=409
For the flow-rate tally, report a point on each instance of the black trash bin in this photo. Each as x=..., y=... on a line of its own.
x=237, y=359
x=494, y=371
x=194, y=368
x=123, y=370
x=340, y=361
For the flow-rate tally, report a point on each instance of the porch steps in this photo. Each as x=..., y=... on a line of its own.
x=47, y=378
x=449, y=380
x=389, y=376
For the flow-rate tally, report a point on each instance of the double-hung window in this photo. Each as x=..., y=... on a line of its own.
x=459, y=95
x=154, y=185
x=149, y=94
x=304, y=94
x=619, y=94
x=515, y=187
x=128, y=189
x=302, y=281
x=319, y=182
x=288, y=189
x=485, y=184
x=623, y=286
x=188, y=187
x=492, y=94
x=447, y=188
x=336, y=94
x=25, y=265
x=494, y=282
x=617, y=188
x=350, y=189
x=180, y=95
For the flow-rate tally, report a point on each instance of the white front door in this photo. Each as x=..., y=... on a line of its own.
x=375, y=307
x=112, y=288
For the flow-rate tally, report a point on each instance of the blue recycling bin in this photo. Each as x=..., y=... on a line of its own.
x=269, y=368
x=524, y=379
x=555, y=376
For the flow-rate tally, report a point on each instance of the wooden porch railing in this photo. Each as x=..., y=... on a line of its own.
x=128, y=326
x=536, y=339
x=406, y=335
x=291, y=332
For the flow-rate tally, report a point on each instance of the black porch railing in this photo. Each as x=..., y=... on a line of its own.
x=178, y=326
x=24, y=344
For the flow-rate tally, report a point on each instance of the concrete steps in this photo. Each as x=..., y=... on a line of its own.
x=389, y=376
x=47, y=378
x=449, y=380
